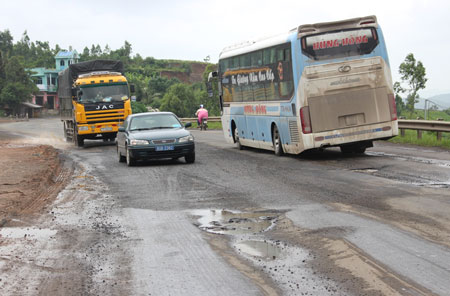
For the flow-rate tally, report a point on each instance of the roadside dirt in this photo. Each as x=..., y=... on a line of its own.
x=30, y=178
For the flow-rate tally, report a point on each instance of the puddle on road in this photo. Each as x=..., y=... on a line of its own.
x=433, y=184
x=367, y=170
x=233, y=223
x=29, y=233
x=261, y=249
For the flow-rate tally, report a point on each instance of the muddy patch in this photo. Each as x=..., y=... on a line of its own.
x=271, y=264
x=260, y=249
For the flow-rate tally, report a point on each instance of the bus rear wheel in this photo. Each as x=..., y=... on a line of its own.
x=355, y=148
x=276, y=139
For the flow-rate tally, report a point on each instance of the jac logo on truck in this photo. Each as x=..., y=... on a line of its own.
x=104, y=107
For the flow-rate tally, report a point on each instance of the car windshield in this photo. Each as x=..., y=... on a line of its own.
x=104, y=93
x=150, y=122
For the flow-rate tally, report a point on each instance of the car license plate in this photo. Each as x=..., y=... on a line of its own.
x=164, y=148
x=106, y=129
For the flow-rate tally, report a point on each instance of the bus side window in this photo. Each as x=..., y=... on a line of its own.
x=234, y=63
x=269, y=56
x=224, y=65
x=244, y=61
x=287, y=54
x=256, y=58
x=280, y=54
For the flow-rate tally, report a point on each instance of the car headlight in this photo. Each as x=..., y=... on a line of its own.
x=83, y=128
x=189, y=138
x=138, y=142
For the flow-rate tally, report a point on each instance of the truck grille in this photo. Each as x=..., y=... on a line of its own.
x=105, y=116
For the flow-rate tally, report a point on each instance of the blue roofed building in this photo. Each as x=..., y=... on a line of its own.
x=47, y=80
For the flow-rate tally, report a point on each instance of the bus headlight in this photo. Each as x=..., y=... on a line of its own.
x=83, y=128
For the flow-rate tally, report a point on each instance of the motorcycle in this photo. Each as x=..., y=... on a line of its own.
x=204, y=124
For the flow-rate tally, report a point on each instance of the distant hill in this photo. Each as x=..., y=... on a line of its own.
x=442, y=100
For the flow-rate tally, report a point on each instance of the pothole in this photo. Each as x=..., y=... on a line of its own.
x=286, y=265
x=260, y=249
x=233, y=222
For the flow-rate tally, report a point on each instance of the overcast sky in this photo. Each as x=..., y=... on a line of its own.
x=192, y=30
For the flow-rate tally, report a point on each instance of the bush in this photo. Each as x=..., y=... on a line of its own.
x=138, y=107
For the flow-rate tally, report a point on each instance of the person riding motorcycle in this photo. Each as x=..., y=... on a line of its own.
x=202, y=114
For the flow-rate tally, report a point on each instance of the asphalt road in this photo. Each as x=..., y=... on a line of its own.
x=242, y=222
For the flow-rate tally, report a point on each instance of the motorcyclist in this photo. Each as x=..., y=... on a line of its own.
x=201, y=114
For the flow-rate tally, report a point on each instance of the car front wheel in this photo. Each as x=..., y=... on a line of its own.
x=130, y=160
x=190, y=158
x=121, y=157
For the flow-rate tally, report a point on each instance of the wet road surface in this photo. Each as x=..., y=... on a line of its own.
x=242, y=222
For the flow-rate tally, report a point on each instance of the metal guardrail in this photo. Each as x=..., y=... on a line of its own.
x=424, y=125
x=210, y=119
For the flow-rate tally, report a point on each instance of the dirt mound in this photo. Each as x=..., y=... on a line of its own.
x=30, y=178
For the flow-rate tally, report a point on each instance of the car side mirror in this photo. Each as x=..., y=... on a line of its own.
x=188, y=124
x=121, y=129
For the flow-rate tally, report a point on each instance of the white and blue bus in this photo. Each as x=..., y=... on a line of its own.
x=316, y=86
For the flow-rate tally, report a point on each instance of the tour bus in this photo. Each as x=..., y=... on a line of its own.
x=316, y=86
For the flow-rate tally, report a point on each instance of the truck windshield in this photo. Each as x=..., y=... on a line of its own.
x=103, y=93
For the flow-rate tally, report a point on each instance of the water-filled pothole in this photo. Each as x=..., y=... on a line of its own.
x=261, y=249
x=230, y=222
x=366, y=170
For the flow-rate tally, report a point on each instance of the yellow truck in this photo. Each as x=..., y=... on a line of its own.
x=94, y=99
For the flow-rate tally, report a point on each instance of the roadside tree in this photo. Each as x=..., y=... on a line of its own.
x=180, y=100
x=17, y=86
x=413, y=74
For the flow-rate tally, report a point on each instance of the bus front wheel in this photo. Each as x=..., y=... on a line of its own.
x=276, y=139
x=236, y=139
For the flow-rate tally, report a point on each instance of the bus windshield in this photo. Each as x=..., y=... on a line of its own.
x=104, y=93
x=339, y=44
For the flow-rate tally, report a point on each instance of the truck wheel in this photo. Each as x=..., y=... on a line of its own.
x=79, y=141
x=66, y=136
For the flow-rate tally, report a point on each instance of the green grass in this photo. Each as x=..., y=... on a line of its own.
x=428, y=139
x=432, y=115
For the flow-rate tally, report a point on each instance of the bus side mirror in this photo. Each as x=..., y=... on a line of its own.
x=132, y=88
